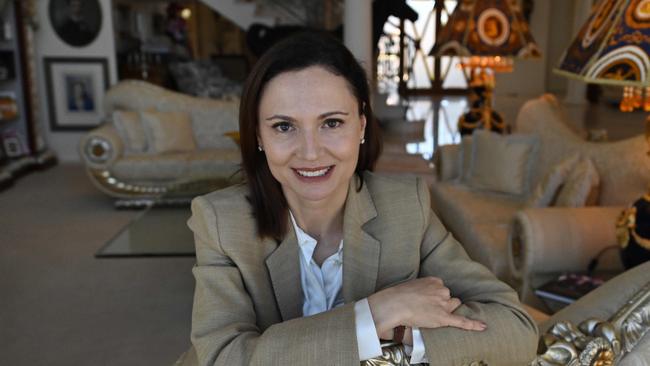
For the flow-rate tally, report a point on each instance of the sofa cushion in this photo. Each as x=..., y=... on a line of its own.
x=168, y=132
x=145, y=168
x=502, y=163
x=214, y=162
x=210, y=127
x=129, y=127
x=463, y=206
x=466, y=158
x=447, y=159
x=580, y=185
x=173, y=166
x=547, y=189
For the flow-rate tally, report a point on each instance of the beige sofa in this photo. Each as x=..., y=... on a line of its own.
x=482, y=220
x=186, y=142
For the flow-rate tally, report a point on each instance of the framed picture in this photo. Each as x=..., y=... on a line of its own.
x=11, y=142
x=75, y=91
x=76, y=22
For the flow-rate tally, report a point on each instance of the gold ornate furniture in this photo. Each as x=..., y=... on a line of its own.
x=155, y=141
x=607, y=327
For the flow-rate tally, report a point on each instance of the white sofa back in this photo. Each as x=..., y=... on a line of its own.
x=211, y=118
x=623, y=166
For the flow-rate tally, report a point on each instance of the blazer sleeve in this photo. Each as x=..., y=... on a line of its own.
x=224, y=329
x=511, y=334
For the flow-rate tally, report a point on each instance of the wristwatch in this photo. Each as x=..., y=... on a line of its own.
x=398, y=334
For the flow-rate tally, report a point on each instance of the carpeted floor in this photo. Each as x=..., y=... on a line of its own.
x=61, y=306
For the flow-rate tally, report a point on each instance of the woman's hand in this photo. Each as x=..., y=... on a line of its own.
x=422, y=302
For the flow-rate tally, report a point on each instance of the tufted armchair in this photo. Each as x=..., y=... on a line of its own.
x=526, y=246
x=156, y=141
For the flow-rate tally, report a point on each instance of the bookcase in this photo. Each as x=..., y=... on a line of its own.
x=22, y=147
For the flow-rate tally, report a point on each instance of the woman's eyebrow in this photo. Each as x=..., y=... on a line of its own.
x=280, y=116
x=327, y=114
x=324, y=115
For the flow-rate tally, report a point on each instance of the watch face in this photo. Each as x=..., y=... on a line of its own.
x=76, y=22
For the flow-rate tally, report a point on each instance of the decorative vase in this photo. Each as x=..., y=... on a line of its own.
x=633, y=231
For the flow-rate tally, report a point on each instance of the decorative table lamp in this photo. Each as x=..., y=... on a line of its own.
x=487, y=35
x=613, y=48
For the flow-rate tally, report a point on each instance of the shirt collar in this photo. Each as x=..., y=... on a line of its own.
x=306, y=243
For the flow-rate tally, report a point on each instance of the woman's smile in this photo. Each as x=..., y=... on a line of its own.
x=314, y=174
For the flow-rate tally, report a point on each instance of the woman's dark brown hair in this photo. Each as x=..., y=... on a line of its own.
x=293, y=54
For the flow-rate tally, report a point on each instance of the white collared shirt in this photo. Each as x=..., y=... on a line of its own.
x=321, y=287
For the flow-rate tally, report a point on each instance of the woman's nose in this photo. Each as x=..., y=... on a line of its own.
x=309, y=146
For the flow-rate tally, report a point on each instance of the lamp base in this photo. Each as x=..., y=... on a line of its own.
x=481, y=115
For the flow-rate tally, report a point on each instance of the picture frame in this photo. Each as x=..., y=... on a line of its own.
x=11, y=144
x=76, y=22
x=75, y=91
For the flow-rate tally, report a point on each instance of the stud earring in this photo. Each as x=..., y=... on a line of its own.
x=259, y=148
x=363, y=140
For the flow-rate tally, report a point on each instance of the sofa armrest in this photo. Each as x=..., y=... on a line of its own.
x=557, y=239
x=447, y=162
x=101, y=147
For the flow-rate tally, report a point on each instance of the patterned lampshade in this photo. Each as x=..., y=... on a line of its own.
x=613, y=47
x=486, y=28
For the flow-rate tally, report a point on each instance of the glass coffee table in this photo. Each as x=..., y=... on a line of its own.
x=161, y=229
x=158, y=231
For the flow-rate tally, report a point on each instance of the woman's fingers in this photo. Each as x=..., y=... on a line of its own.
x=453, y=304
x=430, y=304
x=461, y=322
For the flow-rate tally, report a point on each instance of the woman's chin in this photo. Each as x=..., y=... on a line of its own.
x=324, y=191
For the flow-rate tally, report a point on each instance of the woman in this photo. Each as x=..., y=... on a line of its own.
x=316, y=258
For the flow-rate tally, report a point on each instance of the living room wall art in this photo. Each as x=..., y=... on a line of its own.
x=75, y=90
x=76, y=22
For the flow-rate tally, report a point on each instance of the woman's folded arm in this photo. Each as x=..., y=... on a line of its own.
x=224, y=321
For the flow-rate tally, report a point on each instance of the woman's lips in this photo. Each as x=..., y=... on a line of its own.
x=313, y=174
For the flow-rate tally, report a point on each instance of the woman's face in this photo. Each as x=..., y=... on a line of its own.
x=310, y=130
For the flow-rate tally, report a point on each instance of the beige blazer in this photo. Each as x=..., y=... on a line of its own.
x=248, y=298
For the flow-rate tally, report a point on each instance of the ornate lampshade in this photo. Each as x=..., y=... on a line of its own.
x=613, y=47
x=487, y=35
x=486, y=28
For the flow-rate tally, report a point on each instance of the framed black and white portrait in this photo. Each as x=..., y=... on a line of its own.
x=75, y=90
x=76, y=22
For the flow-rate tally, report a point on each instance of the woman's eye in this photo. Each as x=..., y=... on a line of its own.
x=333, y=123
x=282, y=126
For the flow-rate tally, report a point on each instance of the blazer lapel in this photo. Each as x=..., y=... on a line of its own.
x=360, y=250
x=284, y=268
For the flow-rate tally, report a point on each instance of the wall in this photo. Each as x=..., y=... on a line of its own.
x=529, y=76
x=561, y=34
x=552, y=26
x=47, y=44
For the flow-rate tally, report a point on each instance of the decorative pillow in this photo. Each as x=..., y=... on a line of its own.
x=446, y=160
x=547, y=189
x=129, y=127
x=466, y=157
x=581, y=186
x=168, y=131
x=502, y=163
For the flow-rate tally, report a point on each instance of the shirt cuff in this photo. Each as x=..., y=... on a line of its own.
x=367, y=337
x=418, y=354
